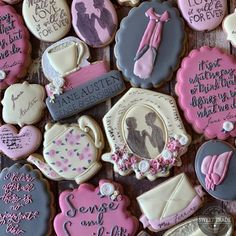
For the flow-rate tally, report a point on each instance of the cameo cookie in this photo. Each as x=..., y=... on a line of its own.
x=47, y=20
x=215, y=166
x=169, y=203
x=203, y=15
x=15, y=47
x=25, y=202
x=95, y=211
x=230, y=28
x=202, y=226
x=23, y=104
x=145, y=133
x=149, y=55
x=94, y=21
x=71, y=152
x=206, y=89
x=20, y=144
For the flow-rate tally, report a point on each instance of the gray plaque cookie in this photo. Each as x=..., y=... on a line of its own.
x=215, y=166
x=86, y=96
x=150, y=43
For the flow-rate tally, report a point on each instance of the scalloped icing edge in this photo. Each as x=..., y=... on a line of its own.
x=38, y=175
x=27, y=50
x=171, y=70
x=179, y=84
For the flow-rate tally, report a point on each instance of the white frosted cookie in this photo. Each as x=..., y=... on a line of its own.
x=23, y=104
x=47, y=20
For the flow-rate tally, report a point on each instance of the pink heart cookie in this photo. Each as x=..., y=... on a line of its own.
x=18, y=145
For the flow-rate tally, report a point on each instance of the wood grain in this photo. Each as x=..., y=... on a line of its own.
x=132, y=186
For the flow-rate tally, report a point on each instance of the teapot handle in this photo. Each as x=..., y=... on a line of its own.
x=86, y=124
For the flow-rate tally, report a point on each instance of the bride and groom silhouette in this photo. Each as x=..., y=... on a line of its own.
x=136, y=139
x=86, y=22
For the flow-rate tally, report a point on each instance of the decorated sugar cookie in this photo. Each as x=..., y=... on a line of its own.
x=230, y=28
x=71, y=152
x=150, y=55
x=15, y=47
x=202, y=226
x=20, y=144
x=94, y=21
x=215, y=167
x=131, y=3
x=203, y=15
x=12, y=1
x=23, y=104
x=206, y=89
x=25, y=202
x=47, y=20
x=95, y=211
x=169, y=203
x=76, y=84
x=145, y=133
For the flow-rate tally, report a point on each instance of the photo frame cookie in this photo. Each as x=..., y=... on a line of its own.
x=83, y=207
x=71, y=152
x=47, y=20
x=215, y=168
x=149, y=55
x=94, y=21
x=169, y=203
x=26, y=202
x=145, y=133
x=205, y=88
x=23, y=104
x=15, y=47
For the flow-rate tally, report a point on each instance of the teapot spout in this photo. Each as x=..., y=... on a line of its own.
x=37, y=160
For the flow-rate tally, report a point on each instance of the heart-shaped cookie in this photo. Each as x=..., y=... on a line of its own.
x=20, y=144
x=203, y=15
x=215, y=166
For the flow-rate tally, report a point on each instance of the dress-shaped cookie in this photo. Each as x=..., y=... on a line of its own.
x=145, y=133
x=71, y=152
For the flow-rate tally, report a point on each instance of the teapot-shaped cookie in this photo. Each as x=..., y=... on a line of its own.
x=70, y=151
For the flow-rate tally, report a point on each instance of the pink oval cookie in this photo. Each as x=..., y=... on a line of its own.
x=20, y=144
x=203, y=15
x=95, y=211
x=15, y=47
x=94, y=21
x=206, y=85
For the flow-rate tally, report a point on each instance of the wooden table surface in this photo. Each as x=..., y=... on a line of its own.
x=132, y=186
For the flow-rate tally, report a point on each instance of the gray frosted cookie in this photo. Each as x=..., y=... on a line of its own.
x=215, y=166
x=150, y=43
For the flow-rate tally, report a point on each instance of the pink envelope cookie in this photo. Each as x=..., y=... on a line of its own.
x=95, y=211
x=20, y=144
x=203, y=15
x=15, y=47
x=206, y=89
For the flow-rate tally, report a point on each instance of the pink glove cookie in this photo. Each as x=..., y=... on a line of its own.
x=95, y=211
x=20, y=144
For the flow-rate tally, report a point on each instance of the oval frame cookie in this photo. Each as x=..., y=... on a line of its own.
x=156, y=115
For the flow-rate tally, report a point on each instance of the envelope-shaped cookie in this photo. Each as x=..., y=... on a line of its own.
x=169, y=203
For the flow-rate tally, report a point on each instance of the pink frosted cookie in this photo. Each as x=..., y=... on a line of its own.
x=203, y=15
x=15, y=47
x=11, y=1
x=206, y=88
x=95, y=211
x=20, y=144
x=94, y=21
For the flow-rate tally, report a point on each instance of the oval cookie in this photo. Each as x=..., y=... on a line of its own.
x=95, y=211
x=203, y=15
x=47, y=20
x=15, y=47
x=25, y=202
x=206, y=89
x=145, y=50
x=12, y=1
x=230, y=28
x=94, y=21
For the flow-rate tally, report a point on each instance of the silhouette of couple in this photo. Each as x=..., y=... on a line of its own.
x=137, y=139
x=86, y=23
